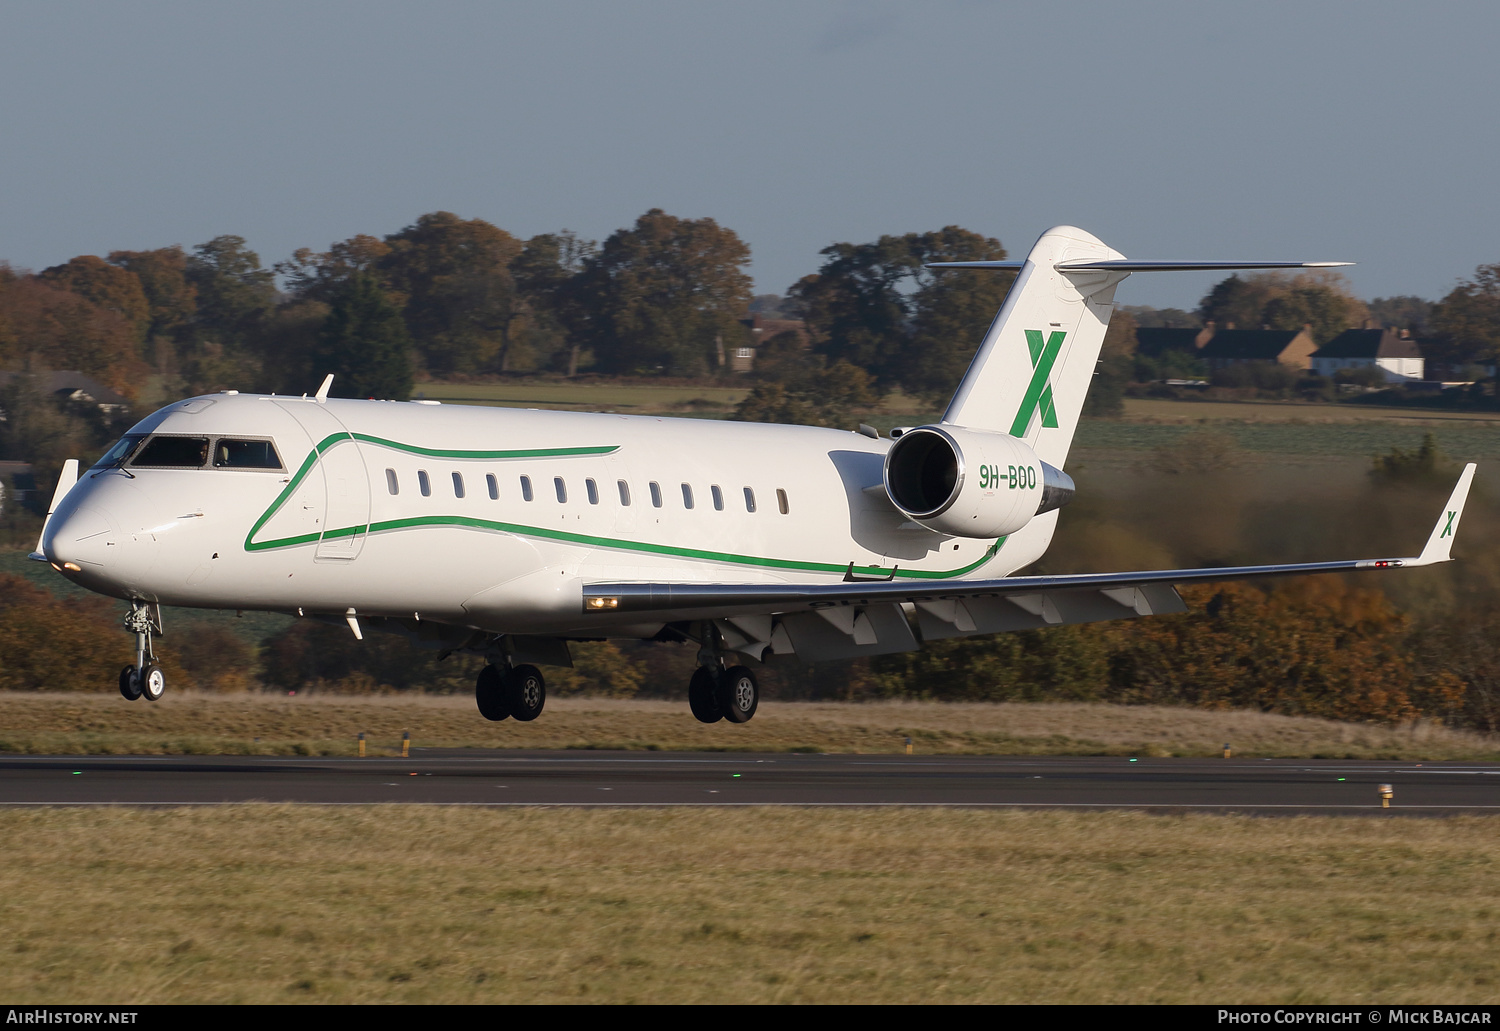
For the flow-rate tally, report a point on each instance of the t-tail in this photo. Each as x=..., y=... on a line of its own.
x=1034, y=366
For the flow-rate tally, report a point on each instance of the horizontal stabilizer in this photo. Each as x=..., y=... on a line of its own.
x=1132, y=265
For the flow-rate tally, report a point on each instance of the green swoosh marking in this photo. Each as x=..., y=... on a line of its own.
x=334, y=439
x=541, y=452
x=547, y=533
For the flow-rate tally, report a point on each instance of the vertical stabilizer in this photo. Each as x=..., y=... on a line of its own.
x=1033, y=369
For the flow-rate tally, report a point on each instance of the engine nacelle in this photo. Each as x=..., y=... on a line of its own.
x=971, y=483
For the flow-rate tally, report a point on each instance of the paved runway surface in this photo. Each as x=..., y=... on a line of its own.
x=671, y=779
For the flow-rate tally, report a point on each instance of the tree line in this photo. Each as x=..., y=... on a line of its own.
x=448, y=297
x=1317, y=647
x=451, y=297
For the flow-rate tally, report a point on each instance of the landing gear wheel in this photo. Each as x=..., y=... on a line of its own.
x=703, y=696
x=739, y=694
x=525, y=692
x=490, y=695
x=130, y=687
x=153, y=683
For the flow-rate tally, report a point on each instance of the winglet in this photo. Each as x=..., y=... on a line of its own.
x=65, y=481
x=322, y=394
x=1441, y=542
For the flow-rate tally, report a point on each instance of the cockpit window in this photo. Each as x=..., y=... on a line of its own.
x=173, y=453
x=245, y=454
x=121, y=451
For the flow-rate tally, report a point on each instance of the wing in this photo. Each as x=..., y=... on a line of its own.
x=867, y=614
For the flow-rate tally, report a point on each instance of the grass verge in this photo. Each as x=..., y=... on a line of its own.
x=273, y=904
x=254, y=724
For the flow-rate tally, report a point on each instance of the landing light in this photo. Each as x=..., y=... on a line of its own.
x=72, y=567
x=602, y=603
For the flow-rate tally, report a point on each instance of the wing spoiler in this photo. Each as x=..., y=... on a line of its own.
x=713, y=600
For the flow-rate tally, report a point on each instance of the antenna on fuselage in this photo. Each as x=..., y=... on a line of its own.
x=322, y=394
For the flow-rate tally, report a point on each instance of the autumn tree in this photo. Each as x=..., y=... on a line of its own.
x=857, y=305
x=553, y=323
x=875, y=306
x=234, y=293
x=364, y=342
x=220, y=347
x=38, y=429
x=662, y=295
x=43, y=326
x=1466, y=323
x=171, y=300
x=817, y=396
x=106, y=286
x=310, y=275
x=459, y=295
x=1315, y=647
x=1403, y=311
x=1321, y=300
x=49, y=644
x=951, y=310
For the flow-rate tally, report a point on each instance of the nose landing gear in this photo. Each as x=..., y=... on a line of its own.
x=145, y=679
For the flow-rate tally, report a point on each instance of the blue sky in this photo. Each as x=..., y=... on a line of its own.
x=1318, y=130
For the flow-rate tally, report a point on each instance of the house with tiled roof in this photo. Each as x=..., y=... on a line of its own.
x=1288, y=347
x=1221, y=348
x=74, y=386
x=1392, y=351
x=742, y=358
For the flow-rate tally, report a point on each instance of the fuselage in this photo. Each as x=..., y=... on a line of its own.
x=489, y=518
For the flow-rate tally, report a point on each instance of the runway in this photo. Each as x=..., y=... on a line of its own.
x=506, y=778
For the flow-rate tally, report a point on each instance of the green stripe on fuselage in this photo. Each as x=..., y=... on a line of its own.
x=546, y=533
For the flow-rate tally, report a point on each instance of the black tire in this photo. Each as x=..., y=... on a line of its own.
x=489, y=695
x=153, y=683
x=703, y=696
x=525, y=692
x=739, y=694
x=130, y=687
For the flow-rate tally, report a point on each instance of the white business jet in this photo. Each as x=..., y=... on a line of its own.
x=512, y=532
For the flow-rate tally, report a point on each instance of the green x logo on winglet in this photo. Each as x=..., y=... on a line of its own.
x=1448, y=527
x=1039, y=391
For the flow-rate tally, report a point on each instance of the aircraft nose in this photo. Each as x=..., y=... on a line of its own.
x=105, y=539
x=86, y=537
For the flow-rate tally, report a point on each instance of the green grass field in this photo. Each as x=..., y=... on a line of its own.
x=276, y=904
x=102, y=723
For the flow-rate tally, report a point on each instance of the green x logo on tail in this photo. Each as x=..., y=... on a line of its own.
x=1039, y=391
x=1448, y=528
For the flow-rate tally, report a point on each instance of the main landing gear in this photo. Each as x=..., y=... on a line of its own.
x=145, y=679
x=507, y=691
x=716, y=693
